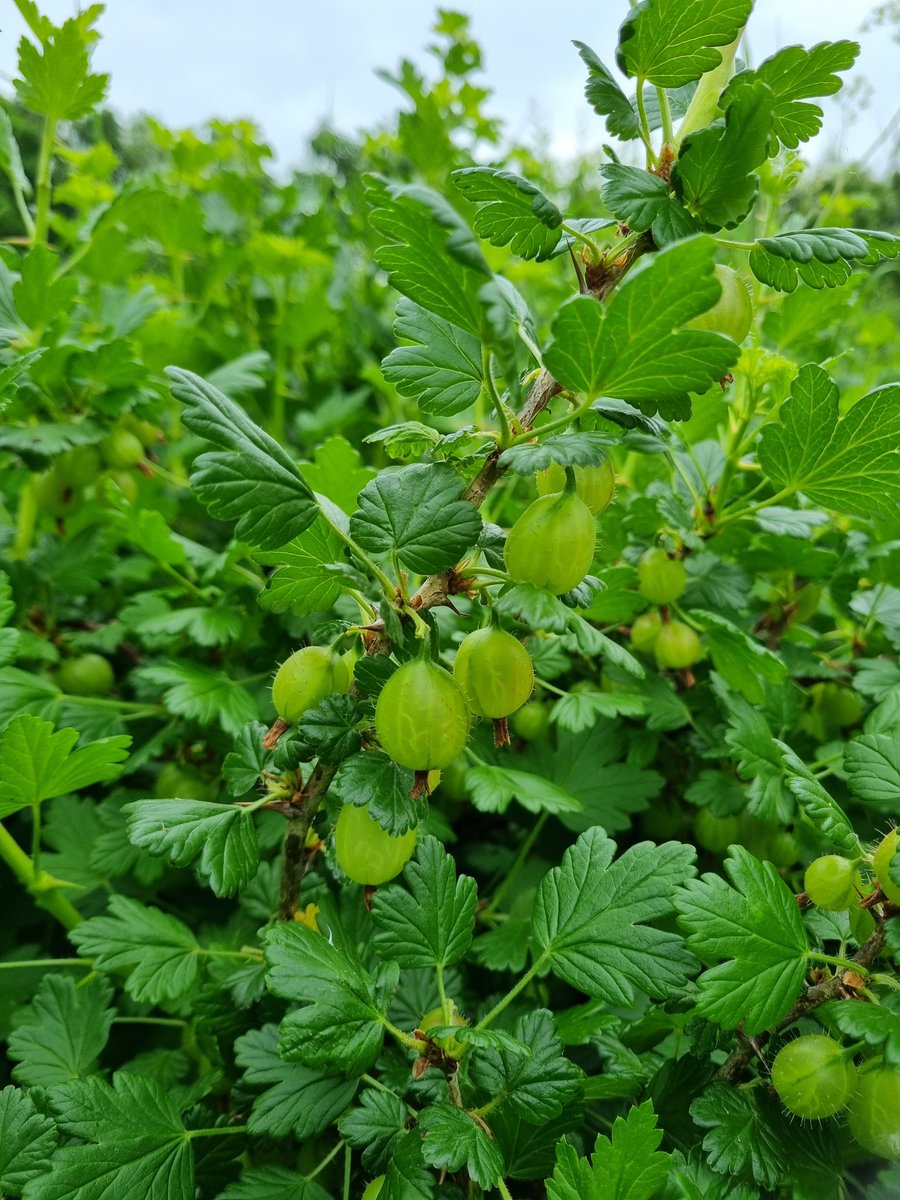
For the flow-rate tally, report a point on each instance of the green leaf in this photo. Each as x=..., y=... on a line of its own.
x=331, y=729
x=624, y=1166
x=55, y=79
x=63, y=1033
x=158, y=952
x=39, y=294
x=493, y=788
x=872, y=764
x=534, y=607
x=341, y=1023
x=875, y=1024
x=568, y=449
x=606, y=98
x=441, y=370
x=201, y=694
x=848, y=463
x=202, y=626
x=670, y=43
x=754, y=934
x=273, y=1183
x=794, y=75
x=37, y=764
x=741, y=1134
x=432, y=256
x=139, y=1143
x=251, y=480
x=511, y=211
x=417, y=513
x=589, y=915
x=713, y=176
x=375, y=1125
x=297, y=1099
x=537, y=1086
x=645, y=201
x=407, y=1176
x=27, y=1140
x=758, y=756
x=824, y=812
x=374, y=779
x=10, y=158
x=430, y=922
x=220, y=838
x=454, y=1140
x=307, y=580
x=631, y=350
x=818, y=257
x=739, y=658
x=337, y=471
x=409, y=439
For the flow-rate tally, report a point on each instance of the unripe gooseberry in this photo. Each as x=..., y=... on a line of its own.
x=714, y=833
x=78, y=466
x=532, y=721
x=552, y=543
x=435, y=1019
x=494, y=671
x=660, y=578
x=121, y=448
x=595, y=485
x=881, y=861
x=366, y=853
x=874, y=1116
x=306, y=678
x=644, y=630
x=836, y=704
x=422, y=718
x=677, y=646
x=812, y=1076
x=87, y=675
x=828, y=882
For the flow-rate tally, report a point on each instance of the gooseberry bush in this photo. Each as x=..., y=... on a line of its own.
x=457, y=759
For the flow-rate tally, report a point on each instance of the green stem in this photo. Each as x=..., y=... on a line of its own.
x=387, y=586
x=502, y=419
x=279, y=374
x=22, y=208
x=504, y=1190
x=512, y=993
x=595, y=251
x=47, y=962
x=134, y=706
x=36, y=838
x=519, y=861
x=171, y=1022
x=645, y=125
x=404, y=1039
x=44, y=187
x=182, y=580
x=844, y=963
x=329, y=1157
x=551, y=426
x=348, y=1167
x=224, y=1131
x=44, y=893
x=665, y=112
x=442, y=993
x=730, y=245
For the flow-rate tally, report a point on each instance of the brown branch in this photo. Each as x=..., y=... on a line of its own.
x=819, y=993
x=293, y=855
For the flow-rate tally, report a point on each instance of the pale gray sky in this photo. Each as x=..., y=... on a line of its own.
x=290, y=63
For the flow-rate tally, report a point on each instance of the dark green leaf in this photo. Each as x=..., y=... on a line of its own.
x=374, y=779
x=671, y=43
x=511, y=211
x=442, y=369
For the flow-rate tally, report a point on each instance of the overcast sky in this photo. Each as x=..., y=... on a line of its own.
x=289, y=64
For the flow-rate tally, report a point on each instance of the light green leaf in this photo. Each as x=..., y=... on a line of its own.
x=589, y=915
x=158, y=952
x=511, y=211
x=627, y=1165
x=537, y=1085
x=492, y=788
x=822, y=810
x=37, y=764
x=63, y=1032
x=872, y=763
x=670, y=43
x=221, y=836
x=307, y=580
x=849, y=463
x=337, y=471
x=55, y=79
x=201, y=693
x=429, y=922
x=417, y=512
x=632, y=350
x=753, y=933
x=252, y=480
x=442, y=369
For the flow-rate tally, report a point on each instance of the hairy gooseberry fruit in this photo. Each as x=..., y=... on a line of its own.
x=714, y=833
x=53, y=495
x=660, y=578
x=422, y=718
x=881, y=861
x=373, y=1188
x=552, y=543
x=307, y=677
x=677, y=645
x=121, y=449
x=78, y=467
x=732, y=314
x=87, y=675
x=813, y=1077
x=366, y=853
x=828, y=882
x=435, y=1020
x=531, y=721
x=494, y=671
x=874, y=1116
x=595, y=485
x=177, y=782
x=782, y=849
x=836, y=704
x=644, y=630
